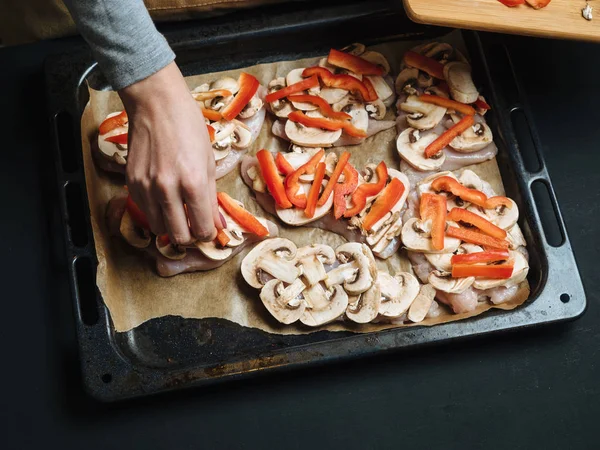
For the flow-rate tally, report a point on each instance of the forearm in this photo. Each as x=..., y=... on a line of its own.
x=123, y=38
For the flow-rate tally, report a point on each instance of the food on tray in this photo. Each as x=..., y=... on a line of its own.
x=234, y=113
x=317, y=285
x=536, y=4
x=464, y=240
x=127, y=221
x=440, y=122
x=310, y=186
x=340, y=102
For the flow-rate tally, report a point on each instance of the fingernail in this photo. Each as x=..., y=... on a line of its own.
x=223, y=221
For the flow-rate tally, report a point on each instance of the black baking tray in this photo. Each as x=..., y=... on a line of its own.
x=170, y=352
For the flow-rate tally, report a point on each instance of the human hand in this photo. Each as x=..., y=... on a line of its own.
x=170, y=160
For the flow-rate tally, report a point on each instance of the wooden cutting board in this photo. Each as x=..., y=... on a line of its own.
x=561, y=19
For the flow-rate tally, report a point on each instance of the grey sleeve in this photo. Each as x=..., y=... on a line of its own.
x=123, y=39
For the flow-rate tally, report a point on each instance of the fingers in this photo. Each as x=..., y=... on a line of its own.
x=218, y=218
x=200, y=201
x=173, y=212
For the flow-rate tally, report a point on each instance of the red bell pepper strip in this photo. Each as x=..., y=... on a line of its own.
x=241, y=215
x=118, y=139
x=163, y=240
x=292, y=181
x=512, y=3
x=222, y=238
x=494, y=202
x=447, y=136
x=433, y=207
x=340, y=190
x=475, y=237
x=269, y=172
x=137, y=215
x=113, y=122
x=537, y=4
x=248, y=87
x=353, y=63
x=388, y=198
x=211, y=133
x=480, y=103
x=211, y=114
x=449, y=184
x=333, y=179
x=484, y=225
x=370, y=88
x=497, y=271
x=283, y=165
x=359, y=198
x=324, y=107
x=327, y=124
x=300, y=86
x=313, y=194
x=448, y=103
x=480, y=257
x=341, y=81
x=424, y=63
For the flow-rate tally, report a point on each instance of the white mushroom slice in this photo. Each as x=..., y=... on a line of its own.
x=378, y=59
x=355, y=253
x=502, y=216
x=520, y=270
x=441, y=261
x=278, y=267
x=241, y=136
x=416, y=236
x=356, y=49
x=441, y=52
x=258, y=184
x=435, y=90
x=411, y=145
x=227, y=83
x=423, y=116
x=332, y=95
x=323, y=307
x=291, y=293
x=253, y=106
x=170, y=250
x=341, y=274
x=282, y=107
x=202, y=88
x=134, y=235
x=213, y=100
x=285, y=312
x=470, y=179
x=282, y=248
x=115, y=152
x=384, y=91
x=460, y=82
x=323, y=252
x=223, y=137
x=297, y=217
x=421, y=304
x=376, y=109
x=425, y=184
x=397, y=293
x=312, y=269
x=424, y=80
x=346, y=103
x=473, y=139
x=360, y=116
x=515, y=237
x=407, y=81
x=295, y=76
x=309, y=136
x=211, y=251
x=443, y=281
x=365, y=307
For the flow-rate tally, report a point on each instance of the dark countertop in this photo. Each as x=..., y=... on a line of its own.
x=528, y=389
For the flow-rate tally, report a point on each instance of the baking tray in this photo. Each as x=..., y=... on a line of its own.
x=170, y=352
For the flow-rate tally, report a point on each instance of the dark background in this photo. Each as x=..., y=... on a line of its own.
x=529, y=389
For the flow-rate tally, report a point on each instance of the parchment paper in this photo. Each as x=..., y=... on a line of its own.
x=127, y=280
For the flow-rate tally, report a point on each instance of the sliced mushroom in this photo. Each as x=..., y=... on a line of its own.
x=282, y=107
x=211, y=251
x=425, y=184
x=435, y=90
x=356, y=49
x=332, y=95
x=359, y=115
x=311, y=259
x=503, y=216
x=258, y=184
x=293, y=77
x=460, y=82
x=309, y=136
x=253, y=106
x=416, y=236
x=278, y=267
x=376, y=109
x=241, y=136
x=323, y=307
x=443, y=281
x=441, y=52
x=397, y=293
x=136, y=236
x=384, y=91
x=353, y=252
x=520, y=271
x=341, y=274
x=365, y=307
x=442, y=261
x=284, y=249
x=297, y=217
x=378, y=59
x=421, y=304
x=473, y=138
x=423, y=116
x=223, y=138
x=407, y=81
x=515, y=237
x=411, y=145
x=470, y=179
x=424, y=80
x=273, y=295
x=347, y=100
x=169, y=250
x=110, y=150
x=227, y=83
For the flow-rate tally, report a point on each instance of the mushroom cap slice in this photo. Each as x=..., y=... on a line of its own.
x=504, y=217
x=241, y=138
x=110, y=150
x=407, y=81
x=324, y=307
x=341, y=274
x=460, y=82
x=377, y=59
x=416, y=237
x=397, y=293
x=253, y=106
x=365, y=307
x=297, y=217
x=384, y=91
x=356, y=49
x=359, y=114
x=211, y=251
x=285, y=312
x=411, y=145
x=443, y=281
x=425, y=184
x=309, y=136
x=473, y=139
x=324, y=252
x=170, y=251
x=226, y=83
x=134, y=235
x=441, y=52
x=443, y=261
x=421, y=304
x=422, y=116
x=376, y=109
x=332, y=95
x=515, y=237
x=295, y=76
x=355, y=253
x=280, y=247
x=282, y=107
x=520, y=271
